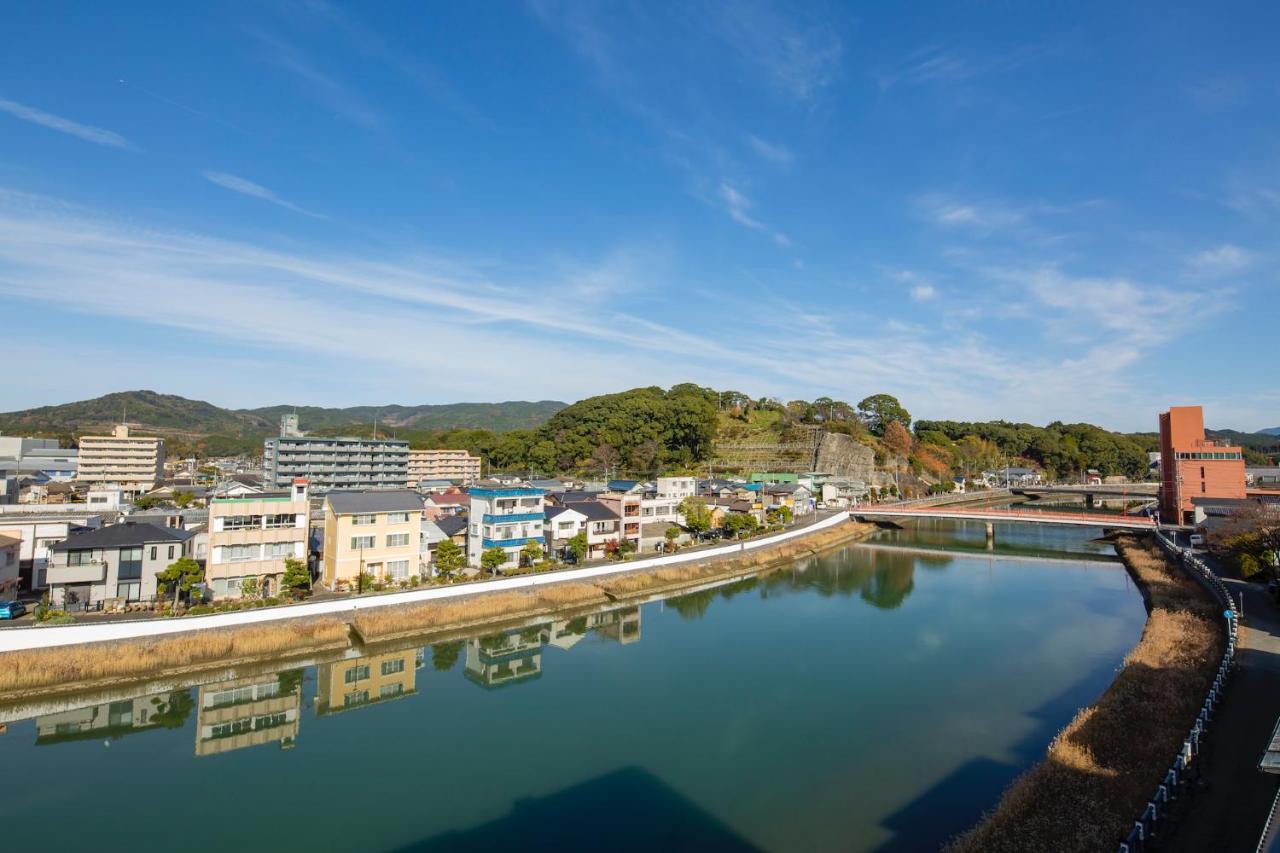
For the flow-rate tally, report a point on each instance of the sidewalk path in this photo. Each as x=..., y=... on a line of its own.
x=1230, y=811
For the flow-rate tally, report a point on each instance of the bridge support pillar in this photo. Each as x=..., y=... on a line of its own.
x=991, y=536
x=1088, y=500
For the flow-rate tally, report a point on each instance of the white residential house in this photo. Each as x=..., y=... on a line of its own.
x=504, y=515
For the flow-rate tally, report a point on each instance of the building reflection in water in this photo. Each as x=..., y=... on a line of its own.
x=249, y=712
x=266, y=709
x=359, y=682
x=117, y=719
x=499, y=660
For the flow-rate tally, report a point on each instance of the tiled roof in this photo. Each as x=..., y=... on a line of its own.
x=124, y=535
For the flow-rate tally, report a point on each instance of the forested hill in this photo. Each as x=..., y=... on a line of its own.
x=203, y=427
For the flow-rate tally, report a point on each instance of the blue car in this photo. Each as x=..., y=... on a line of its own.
x=12, y=609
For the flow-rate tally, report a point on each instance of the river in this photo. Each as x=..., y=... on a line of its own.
x=878, y=697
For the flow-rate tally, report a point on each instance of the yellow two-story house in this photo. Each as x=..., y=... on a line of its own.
x=376, y=532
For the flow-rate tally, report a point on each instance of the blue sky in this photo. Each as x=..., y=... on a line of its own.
x=1028, y=211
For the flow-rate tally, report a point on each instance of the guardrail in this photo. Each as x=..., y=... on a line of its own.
x=1185, y=765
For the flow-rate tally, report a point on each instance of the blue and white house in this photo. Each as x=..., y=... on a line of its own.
x=504, y=514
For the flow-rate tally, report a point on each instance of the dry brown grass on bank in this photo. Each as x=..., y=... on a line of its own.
x=655, y=580
x=64, y=666
x=430, y=615
x=1101, y=769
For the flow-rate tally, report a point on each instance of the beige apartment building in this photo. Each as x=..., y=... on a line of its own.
x=131, y=463
x=376, y=532
x=251, y=536
x=457, y=465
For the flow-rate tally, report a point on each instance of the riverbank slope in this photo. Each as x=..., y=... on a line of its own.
x=1100, y=770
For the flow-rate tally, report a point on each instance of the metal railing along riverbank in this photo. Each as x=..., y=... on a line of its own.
x=1186, y=766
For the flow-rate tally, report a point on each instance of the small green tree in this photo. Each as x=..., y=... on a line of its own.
x=696, y=515
x=297, y=576
x=738, y=523
x=578, y=546
x=493, y=559
x=182, y=500
x=671, y=534
x=179, y=576
x=531, y=553
x=249, y=587
x=449, y=558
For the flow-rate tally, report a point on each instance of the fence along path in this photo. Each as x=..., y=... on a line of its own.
x=1155, y=816
x=23, y=638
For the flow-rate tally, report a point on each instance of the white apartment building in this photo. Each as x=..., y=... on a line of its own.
x=506, y=516
x=662, y=502
x=131, y=463
x=458, y=466
x=251, y=537
x=26, y=457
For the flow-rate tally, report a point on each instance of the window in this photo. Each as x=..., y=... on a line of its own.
x=356, y=673
x=240, y=553
x=357, y=698
x=275, y=522
x=397, y=540
x=391, y=667
x=130, y=591
x=369, y=518
x=270, y=721
x=82, y=557
x=154, y=549
x=242, y=522
x=565, y=525
x=170, y=552
x=397, y=517
x=361, y=542
x=389, y=690
x=277, y=550
x=130, y=566
x=398, y=569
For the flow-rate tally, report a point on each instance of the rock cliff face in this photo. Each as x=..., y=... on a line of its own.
x=841, y=456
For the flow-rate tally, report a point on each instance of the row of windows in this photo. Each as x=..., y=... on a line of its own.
x=372, y=518
x=1220, y=454
x=258, y=522
x=361, y=671
x=236, y=727
x=130, y=558
x=237, y=695
x=394, y=540
x=267, y=551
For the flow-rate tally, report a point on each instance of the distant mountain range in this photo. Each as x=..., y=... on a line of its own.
x=1270, y=431
x=169, y=413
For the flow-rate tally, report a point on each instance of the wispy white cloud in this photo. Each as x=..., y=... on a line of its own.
x=773, y=152
x=952, y=213
x=246, y=187
x=738, y=206
x=328, y=90
x=948, y=65
x=86, y=132
x=1221, y=261
x=798, y=57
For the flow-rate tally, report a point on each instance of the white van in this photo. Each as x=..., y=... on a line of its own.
x=1196, y=540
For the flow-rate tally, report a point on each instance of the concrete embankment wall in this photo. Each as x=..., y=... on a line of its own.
x=27, y=638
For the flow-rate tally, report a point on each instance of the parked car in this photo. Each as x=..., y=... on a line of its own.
x=12, y=609
x=1196, y=540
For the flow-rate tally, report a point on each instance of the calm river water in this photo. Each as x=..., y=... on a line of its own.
x=876, y=698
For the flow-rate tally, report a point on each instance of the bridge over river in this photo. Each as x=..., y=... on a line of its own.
x=993, y=515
